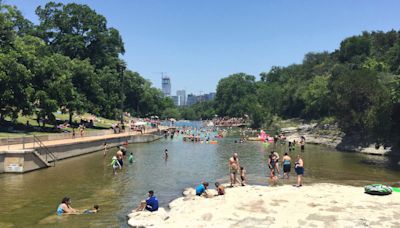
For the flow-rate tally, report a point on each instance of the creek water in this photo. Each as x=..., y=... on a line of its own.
x=31, y=199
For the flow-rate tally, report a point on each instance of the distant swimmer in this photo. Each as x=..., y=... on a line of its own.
x=130, y=159
x=234, y=168
x=105, y=148
x=302, y=143
x=166, y=154
x=65, y=207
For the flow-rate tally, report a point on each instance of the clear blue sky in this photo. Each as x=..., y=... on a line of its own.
x=199, y=42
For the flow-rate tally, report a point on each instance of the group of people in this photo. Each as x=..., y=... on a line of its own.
x=66, y=208
x=117, y=161
x=273, y=165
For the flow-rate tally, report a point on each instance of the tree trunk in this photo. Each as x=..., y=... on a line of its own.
x=70, y=117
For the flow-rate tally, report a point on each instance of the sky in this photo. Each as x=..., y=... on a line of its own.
x=196, y=43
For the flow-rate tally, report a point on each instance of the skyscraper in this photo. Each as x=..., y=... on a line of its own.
x=182, y=97
x=166, y=86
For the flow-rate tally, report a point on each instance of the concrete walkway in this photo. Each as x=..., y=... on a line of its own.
x=14, y=147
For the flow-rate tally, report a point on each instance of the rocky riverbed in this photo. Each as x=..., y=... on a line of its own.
x=320, y=205
x=331, y=136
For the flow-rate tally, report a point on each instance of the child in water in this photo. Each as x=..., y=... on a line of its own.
x=93, y=211
x=130, y=159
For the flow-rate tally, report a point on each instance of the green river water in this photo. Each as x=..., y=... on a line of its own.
x=30, y=200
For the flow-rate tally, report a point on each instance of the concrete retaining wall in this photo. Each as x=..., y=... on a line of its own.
x=27, y=160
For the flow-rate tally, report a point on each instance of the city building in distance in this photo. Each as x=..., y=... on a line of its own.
x=182, y=97
x=166, y=86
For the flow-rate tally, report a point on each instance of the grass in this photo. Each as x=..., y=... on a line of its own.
x=19, y=127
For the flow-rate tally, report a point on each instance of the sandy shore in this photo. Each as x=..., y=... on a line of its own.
x=320, y=205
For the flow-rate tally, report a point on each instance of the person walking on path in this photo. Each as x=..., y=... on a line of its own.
x=234, y=168
x=299, y=168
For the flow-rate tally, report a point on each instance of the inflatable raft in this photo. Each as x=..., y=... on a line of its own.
x=378, y=189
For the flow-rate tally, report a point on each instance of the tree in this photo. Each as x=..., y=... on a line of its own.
x=79, y=32
x=235, y=94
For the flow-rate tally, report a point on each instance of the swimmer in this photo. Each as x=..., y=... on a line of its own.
x=130, y=159
x=65, y=207
x=105, y=148
x=92, y=211
x=166, y=154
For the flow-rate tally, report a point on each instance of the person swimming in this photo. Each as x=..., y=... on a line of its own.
x=92, y=211
x=65, y=207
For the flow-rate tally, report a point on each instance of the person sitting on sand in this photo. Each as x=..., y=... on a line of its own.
x=243, y=175
x=299, y=168
x=234, y=168
x=150, y=204
x=92, y=211
x=65, y=207
x=201, y=189
x=286, y=161
x=220, y=189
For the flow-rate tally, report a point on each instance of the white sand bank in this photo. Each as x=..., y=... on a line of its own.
x=321, y=205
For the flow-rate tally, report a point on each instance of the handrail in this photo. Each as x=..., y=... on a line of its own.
x=47, y=151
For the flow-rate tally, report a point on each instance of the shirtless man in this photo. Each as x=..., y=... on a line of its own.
x=233, y=168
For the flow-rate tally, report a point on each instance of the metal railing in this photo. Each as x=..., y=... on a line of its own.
x=49, y=156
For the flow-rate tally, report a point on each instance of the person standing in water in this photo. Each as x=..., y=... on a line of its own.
x=115, y=165
x=234, y=168
x=166, y=154
x=243, y=175
x=286, y=161
x=105, y=148
x=130, y=159
x=302, y=143
x=299, y=168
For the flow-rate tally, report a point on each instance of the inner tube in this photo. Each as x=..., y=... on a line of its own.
x=378, y=189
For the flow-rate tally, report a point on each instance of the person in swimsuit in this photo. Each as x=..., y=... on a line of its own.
x=286, y=161
x=302, y=143
x=243, y=175
x=234, y=168
x=299, y=168
x=272, y=167
x=276, y=157
x=92, y=211
x=166, y=154
x=220, y=189
x=105, y=146
x=65, y=207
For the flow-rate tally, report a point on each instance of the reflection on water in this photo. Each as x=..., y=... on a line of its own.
x=31, y=199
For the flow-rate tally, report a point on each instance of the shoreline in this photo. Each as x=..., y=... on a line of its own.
x=317, y=205
x=330, y=136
